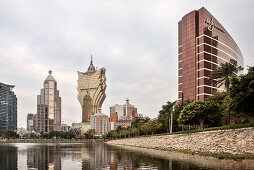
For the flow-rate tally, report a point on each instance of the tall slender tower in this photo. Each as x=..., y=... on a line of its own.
x=91, y=90
x=8, y=107
x=48, y=116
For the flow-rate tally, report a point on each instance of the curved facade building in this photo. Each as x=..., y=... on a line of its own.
x=91, y=91
x=203, y=44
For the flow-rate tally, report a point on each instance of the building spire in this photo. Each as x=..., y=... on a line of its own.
x=91, y=60
x=91, y=68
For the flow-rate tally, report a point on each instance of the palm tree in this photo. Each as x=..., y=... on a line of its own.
x=223, y=74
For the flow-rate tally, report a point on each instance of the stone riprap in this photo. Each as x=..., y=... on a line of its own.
x=233, y=141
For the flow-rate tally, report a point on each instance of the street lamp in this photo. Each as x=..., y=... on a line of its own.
x=171, y=119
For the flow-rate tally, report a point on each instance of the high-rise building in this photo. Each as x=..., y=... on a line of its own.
x=30, y=122
x=125, y=111
x=91, y=90
x=100, y=123
x=8, y=107
x=203, y=44
x=48, y=116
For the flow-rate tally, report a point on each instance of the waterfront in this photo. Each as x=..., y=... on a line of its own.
x=102, y=156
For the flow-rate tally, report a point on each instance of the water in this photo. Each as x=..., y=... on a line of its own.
x=102, y=156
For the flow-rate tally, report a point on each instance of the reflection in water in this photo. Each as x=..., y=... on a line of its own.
x=88, y=156
x=8, y=158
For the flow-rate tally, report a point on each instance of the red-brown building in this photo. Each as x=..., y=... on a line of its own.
x=203, y=44
x=113, y=117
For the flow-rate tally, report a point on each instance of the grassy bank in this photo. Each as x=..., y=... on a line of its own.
x=226, y=127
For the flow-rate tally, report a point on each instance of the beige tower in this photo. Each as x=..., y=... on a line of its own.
x=91, y=91
x=48, y=116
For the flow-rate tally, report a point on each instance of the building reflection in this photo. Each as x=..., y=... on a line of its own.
x=91, y=156
x=44, y=157
x=96, y=157
x=8, y=158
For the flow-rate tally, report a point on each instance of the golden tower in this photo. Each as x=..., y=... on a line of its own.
x=91, y=90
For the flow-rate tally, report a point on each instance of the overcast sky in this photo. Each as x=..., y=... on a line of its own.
x=135, y=40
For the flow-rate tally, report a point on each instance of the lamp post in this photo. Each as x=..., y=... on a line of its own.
x=171, y=119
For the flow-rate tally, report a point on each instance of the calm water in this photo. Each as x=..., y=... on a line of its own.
x=101, y=156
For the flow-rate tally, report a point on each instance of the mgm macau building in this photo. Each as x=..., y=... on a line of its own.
x=203, y=44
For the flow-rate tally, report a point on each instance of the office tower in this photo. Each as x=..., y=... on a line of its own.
x=48, y=116
x=8, y=107
x=91, y=90
x=203, y=44
x=30, y=122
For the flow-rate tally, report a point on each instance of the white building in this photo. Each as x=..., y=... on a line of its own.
x=125, y=111
x=64, y=127
x=119, y=109
x=80, y=127
x=100, y=123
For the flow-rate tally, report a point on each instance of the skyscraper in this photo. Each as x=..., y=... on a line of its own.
x=91, y=90
x=30, y=122
x=203, y=44
x=8, y=107
x=48, y=116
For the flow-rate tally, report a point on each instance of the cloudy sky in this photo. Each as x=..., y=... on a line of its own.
x=135, y=40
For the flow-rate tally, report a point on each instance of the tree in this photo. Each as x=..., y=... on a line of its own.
x=221, y=99
x=155, y=126
x=11, y=134
x=90, y=133
x=198, y=111
x=134, y=131
x=146, y=127
x=223, y=74
x=164, y=115
x=241, y=94
x=124, y=132
x=178, y=108
x=1, y=133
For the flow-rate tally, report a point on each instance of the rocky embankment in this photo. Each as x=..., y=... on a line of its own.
x=233, y=141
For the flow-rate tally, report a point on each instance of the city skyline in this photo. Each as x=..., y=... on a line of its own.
x=137, y=45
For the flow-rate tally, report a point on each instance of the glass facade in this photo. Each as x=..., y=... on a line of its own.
x=203, y=44
x=8, y=108
x=48, y=116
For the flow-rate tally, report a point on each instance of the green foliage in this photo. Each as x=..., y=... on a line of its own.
x=241, y=94
x=11, y=134
x=221, y=99
x=235, y=126
x=134, y=131
x=199, y=111
x=223, y=74
x=90, y=134
x=33, y=136
x=164, y=115
x=57, y=135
